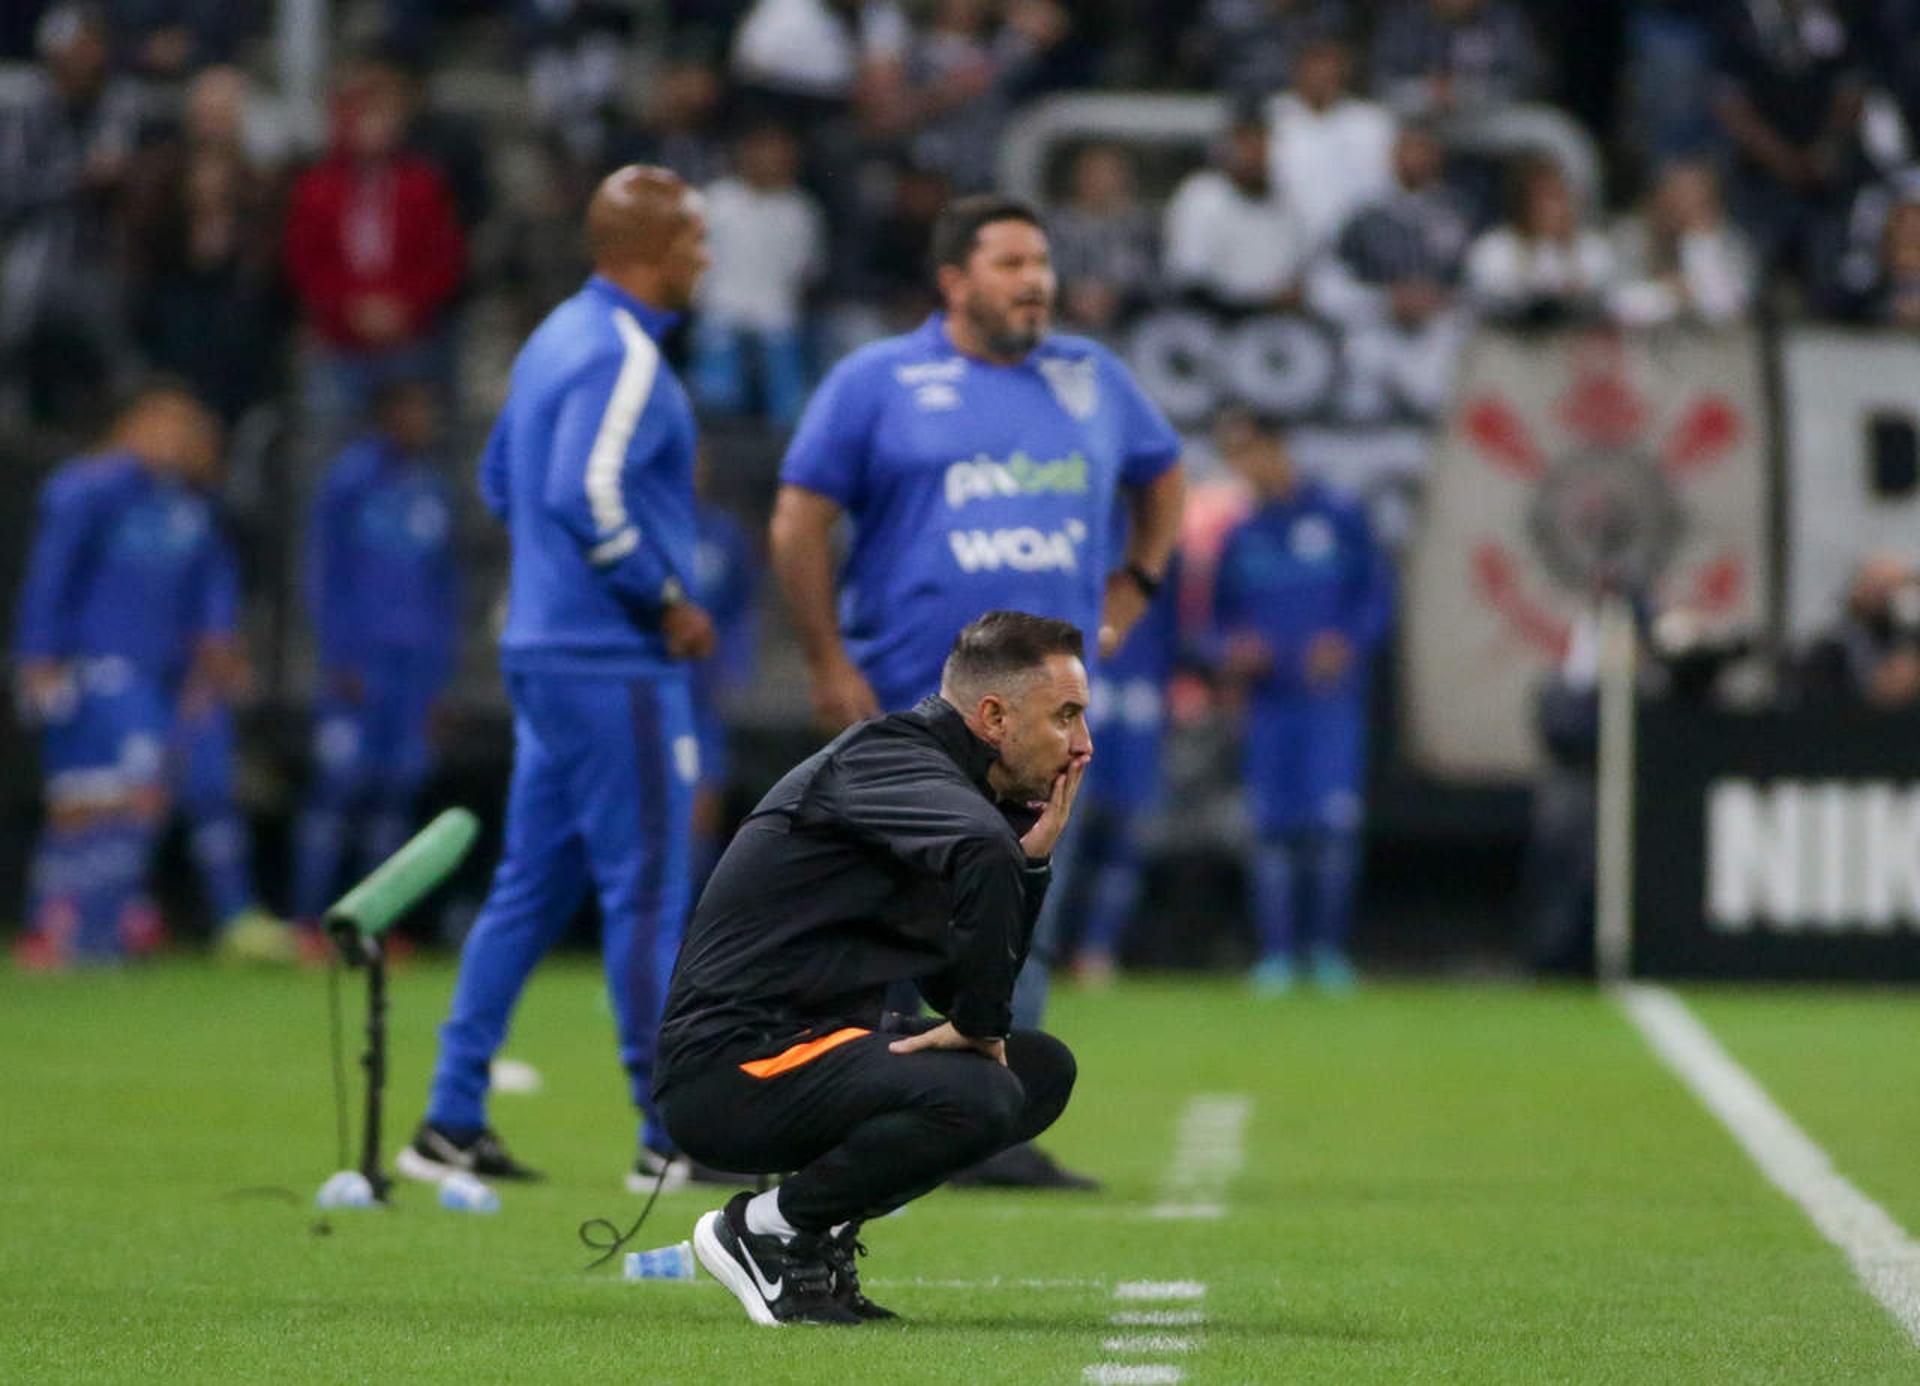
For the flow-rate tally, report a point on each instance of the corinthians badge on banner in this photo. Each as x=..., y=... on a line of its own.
x=1608, y=495
x=1575, y=462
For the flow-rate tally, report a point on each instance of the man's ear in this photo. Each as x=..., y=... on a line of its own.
x=993, y=715
x=949, y=278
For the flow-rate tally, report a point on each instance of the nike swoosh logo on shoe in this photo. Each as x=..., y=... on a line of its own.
x=772, y=1291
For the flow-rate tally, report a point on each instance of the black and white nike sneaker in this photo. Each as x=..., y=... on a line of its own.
x=841, y=1248
x=775, y=1281
x=434, y=1155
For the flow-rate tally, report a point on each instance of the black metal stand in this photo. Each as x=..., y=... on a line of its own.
x=357, y=950
x=375, y=1062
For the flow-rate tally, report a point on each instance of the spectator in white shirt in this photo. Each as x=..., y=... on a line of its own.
x=1541, y=267
x=767, y=239
x=1331, y=152
x=1682, y=259
x=807, y=58
x=1228, y=240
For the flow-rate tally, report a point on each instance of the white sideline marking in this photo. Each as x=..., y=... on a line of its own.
x=1150, y=1342
x=1884, y=1258
x=1159, y=1289
x=1131, y=1374
x=1158, y=1318
x=1209, y=1147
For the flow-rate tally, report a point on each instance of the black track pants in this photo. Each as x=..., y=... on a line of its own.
x=864, y=1129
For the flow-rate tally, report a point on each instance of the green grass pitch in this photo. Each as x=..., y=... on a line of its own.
x=1440, y=1183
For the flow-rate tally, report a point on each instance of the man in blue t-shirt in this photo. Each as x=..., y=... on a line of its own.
x=978, y=460
x=126, y=602
x=1303, y=597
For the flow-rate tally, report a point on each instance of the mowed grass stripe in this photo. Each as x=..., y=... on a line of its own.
x=1883, y=1256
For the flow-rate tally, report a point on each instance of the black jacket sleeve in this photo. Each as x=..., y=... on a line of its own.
x=911, y=804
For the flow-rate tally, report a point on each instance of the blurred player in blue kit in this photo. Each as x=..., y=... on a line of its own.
x=1099, y=858
x=590, y=465
x=128, y=602
x=978, y=461
x=383, y=592
x=1303, y=596
x=724, y=579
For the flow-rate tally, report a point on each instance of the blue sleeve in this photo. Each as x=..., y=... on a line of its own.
x=1149, y=447
x=48, y=591
x=611, y=427
x=220, y=589
x=829, y=450
x=1370, y=602
x=330, y=572
x=494, y=476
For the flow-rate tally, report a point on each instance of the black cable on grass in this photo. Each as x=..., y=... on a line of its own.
x=609, y=1245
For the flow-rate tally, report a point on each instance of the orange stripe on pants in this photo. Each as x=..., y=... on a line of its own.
x=802, y=1053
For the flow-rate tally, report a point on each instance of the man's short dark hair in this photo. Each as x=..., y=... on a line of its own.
x=956, y=232
x=1000, y=646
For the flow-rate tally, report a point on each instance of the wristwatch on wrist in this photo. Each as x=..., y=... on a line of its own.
x=1148, y=584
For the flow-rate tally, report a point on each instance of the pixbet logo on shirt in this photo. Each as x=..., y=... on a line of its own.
x=1027, y=548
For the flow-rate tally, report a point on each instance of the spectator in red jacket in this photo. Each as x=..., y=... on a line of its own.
x=375, y=254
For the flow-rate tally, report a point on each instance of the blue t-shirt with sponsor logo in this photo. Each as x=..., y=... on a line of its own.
x=971, y=486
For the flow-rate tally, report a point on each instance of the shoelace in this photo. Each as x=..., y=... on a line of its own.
x=840, y=1254
x=811, y=1276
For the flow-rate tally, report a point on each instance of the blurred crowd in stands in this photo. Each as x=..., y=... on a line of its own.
x=159, y=207
x=165, y=207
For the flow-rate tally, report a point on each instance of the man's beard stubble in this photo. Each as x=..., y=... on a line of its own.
x=999, y=334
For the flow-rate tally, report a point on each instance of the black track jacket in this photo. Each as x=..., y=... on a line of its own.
x=881, y=858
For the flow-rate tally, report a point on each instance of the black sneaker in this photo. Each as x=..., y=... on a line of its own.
x=775, y=1281
x=840, y=1249
x=434, y=1155
x=1024, y=1166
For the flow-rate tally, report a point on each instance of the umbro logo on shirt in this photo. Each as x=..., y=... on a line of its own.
x=934, y=383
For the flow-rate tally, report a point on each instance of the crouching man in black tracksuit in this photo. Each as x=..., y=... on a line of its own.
x=914, y=848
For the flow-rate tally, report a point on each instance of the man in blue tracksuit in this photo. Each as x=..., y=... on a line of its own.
x=979, y=459
x=723, y=584
x=126, y=598
x=383, y=591
x=1302, y=599
x=591, y=467
x=1128, y=721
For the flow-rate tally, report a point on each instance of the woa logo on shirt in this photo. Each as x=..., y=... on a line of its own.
x=1026, y=549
